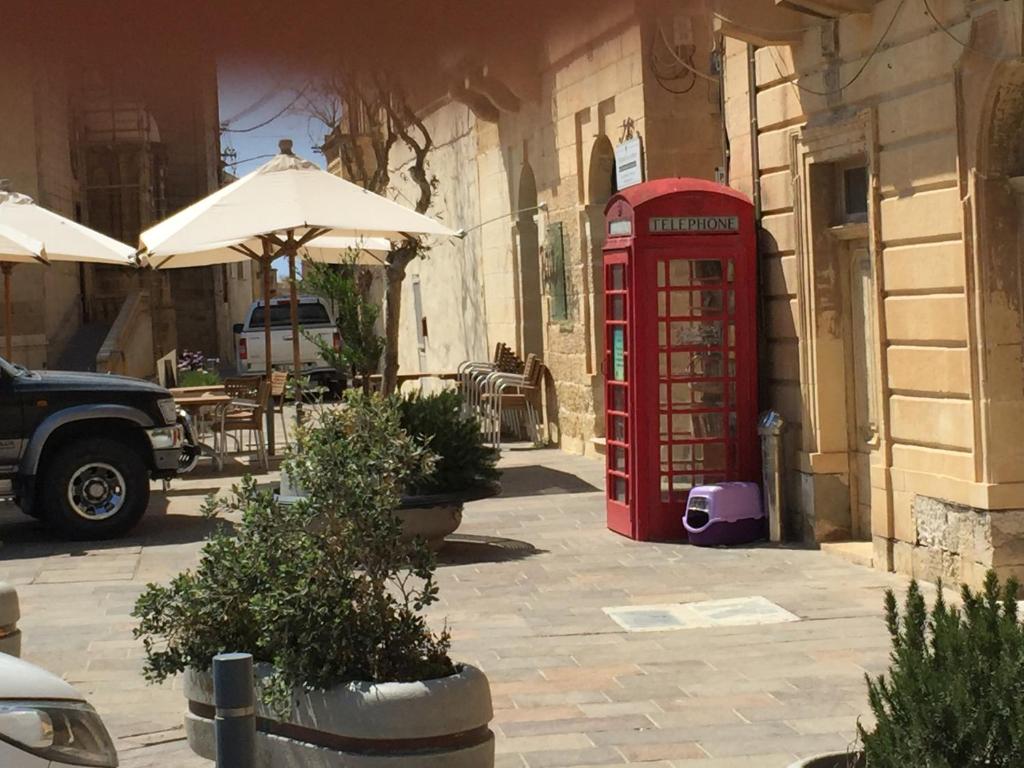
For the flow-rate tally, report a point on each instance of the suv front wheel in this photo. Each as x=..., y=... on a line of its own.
x=93, y=489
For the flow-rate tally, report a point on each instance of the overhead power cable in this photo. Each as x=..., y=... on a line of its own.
x=681, y=60
x=877, y=47
x=252, y=107
x=248, y=160
x=951, y=36
x=269, y=120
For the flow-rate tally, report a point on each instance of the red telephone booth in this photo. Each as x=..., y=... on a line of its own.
x=680, y=350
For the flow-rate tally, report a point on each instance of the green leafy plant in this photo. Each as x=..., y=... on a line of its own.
x=345, y=289
x=954, y=695
x=198, y=379
x=464, y=461
x=325, y=590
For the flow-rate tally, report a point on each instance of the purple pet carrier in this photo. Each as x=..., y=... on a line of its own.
x=726, y=513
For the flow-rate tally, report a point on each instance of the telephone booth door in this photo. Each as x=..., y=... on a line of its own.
x=681, y=348
x=617, y=391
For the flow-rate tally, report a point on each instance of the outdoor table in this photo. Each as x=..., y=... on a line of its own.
x=185, y=391
x=194, y=404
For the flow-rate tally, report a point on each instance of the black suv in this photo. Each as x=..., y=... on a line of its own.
x=77, y=450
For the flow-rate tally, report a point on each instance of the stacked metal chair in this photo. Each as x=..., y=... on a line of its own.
x=512, y=394
x=473, y=375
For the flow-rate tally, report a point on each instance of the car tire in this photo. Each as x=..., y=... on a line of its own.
x=93, y=489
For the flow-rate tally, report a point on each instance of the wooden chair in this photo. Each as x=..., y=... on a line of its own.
x=510, y=393
x=278, y=389
x=246, y=414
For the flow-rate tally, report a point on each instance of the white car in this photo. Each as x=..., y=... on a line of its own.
x=315, y=319
x=45, y=723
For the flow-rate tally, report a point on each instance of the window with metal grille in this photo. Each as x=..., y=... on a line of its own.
x=557, y=288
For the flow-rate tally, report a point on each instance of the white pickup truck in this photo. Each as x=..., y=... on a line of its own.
x=315, y=318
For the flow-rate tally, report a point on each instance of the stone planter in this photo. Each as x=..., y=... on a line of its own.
x=429, y=516
x=434, y=516
x=440, y=723
x=832, y=760
x=10, y=635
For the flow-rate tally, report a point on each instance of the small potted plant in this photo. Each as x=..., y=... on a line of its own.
x=464, y=471
x=329, y=598
x=952, y=697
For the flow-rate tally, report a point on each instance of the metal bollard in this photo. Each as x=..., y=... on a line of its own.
x=235, y=700
x=770, y=428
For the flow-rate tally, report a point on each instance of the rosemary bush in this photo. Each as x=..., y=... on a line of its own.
x=464, y=461
x=954, y=694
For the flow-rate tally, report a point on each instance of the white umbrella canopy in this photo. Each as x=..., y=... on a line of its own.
x=51, y=237
x=15, y=248
x=18, y=248
x=285, y=195
x=277, y=210
x=367, y=251
x=64, y=239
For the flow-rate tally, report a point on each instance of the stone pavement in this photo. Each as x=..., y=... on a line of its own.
x=523, y=589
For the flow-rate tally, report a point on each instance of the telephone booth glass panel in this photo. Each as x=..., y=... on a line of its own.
x=617, y=390
x=680, y=362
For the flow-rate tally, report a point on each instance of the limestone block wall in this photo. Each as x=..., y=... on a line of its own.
x=35, y=157
x=451, y=284
x=547, y=165
x=902, y=115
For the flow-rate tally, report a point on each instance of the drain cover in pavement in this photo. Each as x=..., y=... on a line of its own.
x=733, y=612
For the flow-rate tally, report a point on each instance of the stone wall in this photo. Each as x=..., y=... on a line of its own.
x=958, y=543
x=907, y=115
x=34, y=156
x=555, y=151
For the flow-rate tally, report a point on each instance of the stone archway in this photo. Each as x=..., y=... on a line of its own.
x=531, y=298
x=999, y=275
x=600, y=188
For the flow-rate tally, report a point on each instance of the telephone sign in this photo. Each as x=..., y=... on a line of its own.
x=670, y=225
x=680, y=350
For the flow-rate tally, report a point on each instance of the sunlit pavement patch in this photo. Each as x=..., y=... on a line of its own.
x=732, y=612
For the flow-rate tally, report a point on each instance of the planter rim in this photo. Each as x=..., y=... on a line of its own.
x=451, y=498
x=420, y=709
x=809, y=762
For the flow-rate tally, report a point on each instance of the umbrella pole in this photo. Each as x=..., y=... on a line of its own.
x=296, y=351
x=6, y=268
x=265, y=264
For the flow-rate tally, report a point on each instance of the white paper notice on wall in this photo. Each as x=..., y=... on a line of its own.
x=629, y=163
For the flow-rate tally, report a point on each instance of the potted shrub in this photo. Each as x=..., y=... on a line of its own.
x=464, y=470
x=329, y=599
x=954, y=693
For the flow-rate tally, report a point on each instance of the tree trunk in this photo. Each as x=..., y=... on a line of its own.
x=394, y=275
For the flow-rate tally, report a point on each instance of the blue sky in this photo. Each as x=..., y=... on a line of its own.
x=252, y=92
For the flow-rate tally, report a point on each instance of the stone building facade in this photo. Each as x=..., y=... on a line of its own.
x=116, y=148
x=887, y=167
x=525, y=136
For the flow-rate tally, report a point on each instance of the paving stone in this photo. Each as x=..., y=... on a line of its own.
x=570, y=687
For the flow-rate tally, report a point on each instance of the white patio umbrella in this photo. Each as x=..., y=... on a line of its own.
x=61, y=239
x=15, y=248
x=274, y=211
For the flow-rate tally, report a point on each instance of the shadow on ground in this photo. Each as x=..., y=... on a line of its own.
x=232, y=468
x=25, y=537
x=466, y=549
x=536, y=480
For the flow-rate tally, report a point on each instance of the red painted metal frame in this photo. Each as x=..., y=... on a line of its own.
x=653, y=506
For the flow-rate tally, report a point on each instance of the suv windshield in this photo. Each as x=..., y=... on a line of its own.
x=311, y=313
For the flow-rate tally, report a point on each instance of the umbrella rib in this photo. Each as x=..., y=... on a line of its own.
x=245, y=251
